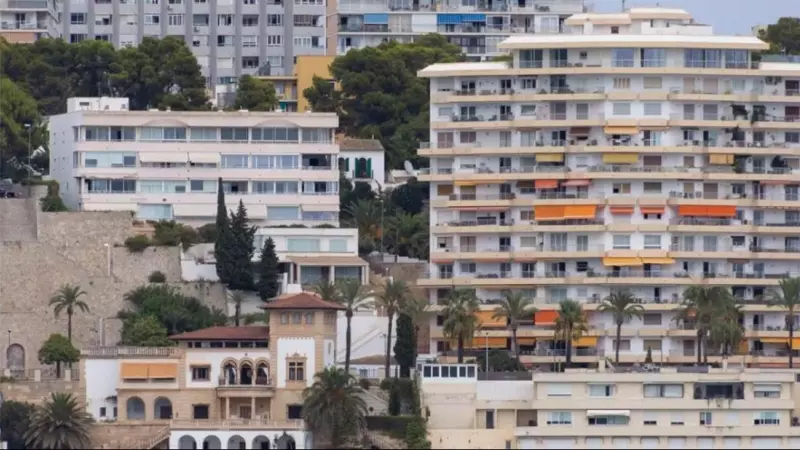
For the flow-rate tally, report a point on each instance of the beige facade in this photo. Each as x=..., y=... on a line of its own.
x=637, y=152
x=596, y=409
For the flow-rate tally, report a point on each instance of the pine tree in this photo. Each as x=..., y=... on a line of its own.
x=404, y=345
x=268, y=283
x=240, y=248
x=221, y=245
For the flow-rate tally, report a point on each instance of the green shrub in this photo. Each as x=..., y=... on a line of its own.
x=137, y=244
x=157, y=277
x=52, y=203
x=417, y=434
x=394, y=426
x=364, y=383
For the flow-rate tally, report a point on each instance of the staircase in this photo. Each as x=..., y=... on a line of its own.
x=382, y=441
x=376, y=401
x=17, y=220
x=141, y=444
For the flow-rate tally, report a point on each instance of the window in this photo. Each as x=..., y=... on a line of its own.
x=236, y=134
x=676, y=418
x=468, y=267
x=622, y=242
x=200, y=411
x=284, y=318
x=622, y=83
x=652, y=82
x=650, y=418
x=654, y=57
x=622, y=57
x=283, y=212
x=652, y=241
x=201, y=373
x=337, y=245
x=445, y=112
x=621, y=109
x=652, y=109
x=294, y=412
x=249, y=41
x=77, y=18
x=527, y=110
x=276, y=135
x=559, y=418
x=309, y=318
x=654, y=345
x=610, y=420
x=175, y=19
x=250, y=21
x=203, y=134
x=303, y=245
x=467, y=137
x=705, y=418
x=207, y=186
x=624, y=345
x=663, y=390
x=559, y=390
x=297, y=371
x=274, y=20
x=297, y=318
x=102, y=411
x=234, y=161
x=621, y=188
x=792, y=137
x=652, y=187
x=151, y=19
x=601, y=390
x=767, y=391
x=274, y=40
x=766, y=418
x=305, y=20
x=651, y=319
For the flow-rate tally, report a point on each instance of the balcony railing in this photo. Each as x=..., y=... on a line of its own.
x=478, y=223
x=235, y=424
x=591, y=273
x=259, y=381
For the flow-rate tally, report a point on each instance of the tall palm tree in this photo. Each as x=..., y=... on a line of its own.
x=326, y=290
x=59, y=423
x=623, y=307
x=405, y=232
x=726, y=332
x=353, y=296
x=334, y=407
x=237, y=298
x=390, y=296
x=417, y=310
x=514, y=307
x=701, y=305
x=68, y=298
x=460, y=320
x=788, y=297
x=365, y=215
x=570, y=324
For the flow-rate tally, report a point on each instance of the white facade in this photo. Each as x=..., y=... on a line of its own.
x=256, y=439
x=638, y=151
x=478, y=28
x=165, y=165
x=364, y=165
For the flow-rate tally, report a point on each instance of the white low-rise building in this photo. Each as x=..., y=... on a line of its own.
x=165, y=165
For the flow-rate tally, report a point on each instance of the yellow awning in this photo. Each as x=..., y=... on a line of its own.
x=620, y=158
x=580, y=212
x=526, y=341
x=585, y=341
x=487, y=320
x=796, y=344
x=622, y=262
x=479, y=342
x=663, y=261
x=720, y=159
x=134, y=371
x=163, y=371
x=621, y=130
x=550, y=157
x=775, y=340
x=466, y=183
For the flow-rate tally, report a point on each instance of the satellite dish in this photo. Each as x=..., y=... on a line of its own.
x=410, y=168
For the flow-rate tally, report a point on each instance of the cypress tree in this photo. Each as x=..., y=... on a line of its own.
x=221, y=245
x=240, y=249
x=404, y=345
x=268, y=283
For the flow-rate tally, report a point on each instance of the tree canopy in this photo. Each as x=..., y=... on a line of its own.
x=254, y=94
x=783, y=36
x=58, y=350
x=380, y=96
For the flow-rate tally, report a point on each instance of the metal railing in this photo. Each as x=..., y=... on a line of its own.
x=235, y=424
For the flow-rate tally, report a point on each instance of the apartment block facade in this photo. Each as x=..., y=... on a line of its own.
x=25, y=21
x=164, y=165
x=637, y=152
x=648, y=408
x=477, y=26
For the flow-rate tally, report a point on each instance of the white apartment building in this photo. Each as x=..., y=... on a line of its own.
x=639, y=151
x=165, y=165
x=25, y=21
x=659, y=408
x=477, y=26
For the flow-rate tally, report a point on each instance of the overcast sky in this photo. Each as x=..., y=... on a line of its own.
x=727, y=16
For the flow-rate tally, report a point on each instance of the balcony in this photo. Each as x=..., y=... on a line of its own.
x=258, y=387
x=235, y=424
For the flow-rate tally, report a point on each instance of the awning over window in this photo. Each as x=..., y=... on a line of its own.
x=549, y=213
x=545, y=317
x=622, y=262
x=621, y=130
x=580, y=212
x=796, y=344
x=163, y=157
x=585, y=341
x=720, y=159
x=134, y=371
x=163, y=371
x=660, y=261
x=621, y=210
x=487, y=320
x=576, y=183
x=546, y=184
x=580, y=131
x=651, y=209
x=707, y=211
x=550, y=157
x=526, y=341
x=484, y=342
x=466, y=183
x=376, y=19
x=607, y=412
x=768, y=340
x=620, y=158
x=204, y=158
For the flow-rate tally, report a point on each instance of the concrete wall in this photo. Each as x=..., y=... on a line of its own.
x=458, y=438
x=77, y=248
x=35, y=391
x=116, y=435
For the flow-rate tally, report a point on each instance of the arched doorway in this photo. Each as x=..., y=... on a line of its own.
x=187, y=443
x=135, y=409
x=246, y=374
x=162, y=408
x=15, y=359
x=261, y=443
x=262, y=374
x=211, y=443
x=285, y=442
x=229, y=371
x=236, y=442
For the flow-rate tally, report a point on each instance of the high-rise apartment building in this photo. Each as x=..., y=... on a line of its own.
x=230, y=38
x=477, y=26
x=637, y=152
x=25, y=21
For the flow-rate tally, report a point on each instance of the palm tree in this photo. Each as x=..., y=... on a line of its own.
x=326, y=290
x=390, y=296
x=623, y=307
x=417, y=309
x=237, y=298
x=68, y=298
x=514, y=307
x=726, y=332
x=352, y=295
x=334, y=407
x=570, y=324
x=460, y=320
x=59, y=423
x=701, y=305
x=365, y=215
x=406, y=232
x=788, y=298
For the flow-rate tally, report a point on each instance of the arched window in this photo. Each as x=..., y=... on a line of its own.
x=246, y=373
x=135, y=408
x=229, y=373
x=162, y=408
x=262, y=374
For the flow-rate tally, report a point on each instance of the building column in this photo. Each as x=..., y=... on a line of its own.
x=331, y=272
x=252, y=407
x=227, y=408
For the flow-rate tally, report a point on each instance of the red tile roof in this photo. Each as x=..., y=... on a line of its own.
x=246, y=333
x=302, y=300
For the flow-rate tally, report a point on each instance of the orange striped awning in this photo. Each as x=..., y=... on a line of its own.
x=652, y=209
x=707, y=211
x=487, y=320
x=135, y=371
x=545, y=317
x=576, y=183
x=163, y=371
x=546, y=184
x=580, y=212
x=621, y=210
x=551, y=213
